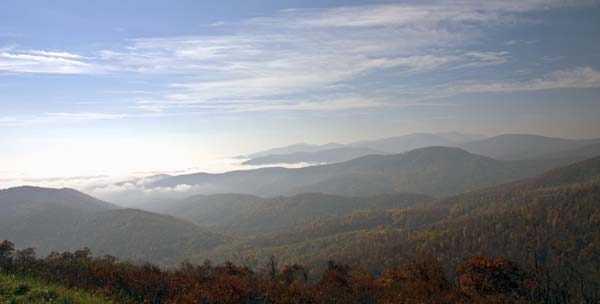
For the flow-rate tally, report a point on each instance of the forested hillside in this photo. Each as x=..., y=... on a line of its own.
x=551, y=221
x=245, y=215
x=65, y=219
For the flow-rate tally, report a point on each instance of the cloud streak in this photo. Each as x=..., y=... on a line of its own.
x=45, y=62
x=302, y=59
x=582, y=77
x=59, y=117
x=313, y=51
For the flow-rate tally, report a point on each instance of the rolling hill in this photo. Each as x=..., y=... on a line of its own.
x=246, y=215
x=144, y=236
x=286, y=212
x=553, y=217
x=433, y=171
x=65, y=219
x=211, y=210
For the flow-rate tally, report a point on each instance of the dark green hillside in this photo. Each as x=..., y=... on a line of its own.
x=47, y=219
x=140, y=235
x=64, y=219
x=286, y=212
x=211, y=210
x=244, y=215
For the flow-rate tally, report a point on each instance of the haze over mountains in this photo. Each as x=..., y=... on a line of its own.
x=317, y=157
x=502, y=147
x=288, y=211
x=543, y=153
x=303, y=147
x=432, y=170
x=332, y=152
x=525, y=146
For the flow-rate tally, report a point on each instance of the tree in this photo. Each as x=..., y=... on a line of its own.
x=6, y=251
x=483, y=276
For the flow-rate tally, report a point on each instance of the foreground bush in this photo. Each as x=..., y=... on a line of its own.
x=422, y=280
x=26, y=290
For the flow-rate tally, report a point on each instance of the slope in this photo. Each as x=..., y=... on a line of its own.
x=524, y=146
x=553, y=217
x=433, y=171
x=65, y=219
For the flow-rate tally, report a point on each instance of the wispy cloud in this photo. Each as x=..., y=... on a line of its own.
x=45, y=62
x=60, y=117
x=582, y=77
x=281, y=62
x=316, y=51
x=333, y=104
x=55, y=54
x=84, y=116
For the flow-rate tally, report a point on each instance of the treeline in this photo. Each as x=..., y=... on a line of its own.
x=420, y=280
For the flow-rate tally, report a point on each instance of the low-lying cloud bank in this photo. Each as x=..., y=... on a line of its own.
x=134, y=190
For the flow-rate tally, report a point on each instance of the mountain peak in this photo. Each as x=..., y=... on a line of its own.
x=41, y=196
x=441, y=152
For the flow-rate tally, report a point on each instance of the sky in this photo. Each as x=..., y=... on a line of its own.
x=114, y=87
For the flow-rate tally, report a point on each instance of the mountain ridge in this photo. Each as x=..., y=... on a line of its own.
x=426, y=170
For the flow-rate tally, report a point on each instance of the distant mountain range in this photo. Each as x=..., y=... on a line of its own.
x=294, y=149
x=433, y=171
x=316, y=157
x=525, y=146
x=333, y=153
x=502, y=147
x=400, y=144
x=62, y=219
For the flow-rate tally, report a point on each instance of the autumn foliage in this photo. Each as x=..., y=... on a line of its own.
x=421, y=280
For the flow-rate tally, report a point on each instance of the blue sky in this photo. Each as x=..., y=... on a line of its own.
x=114, y=86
